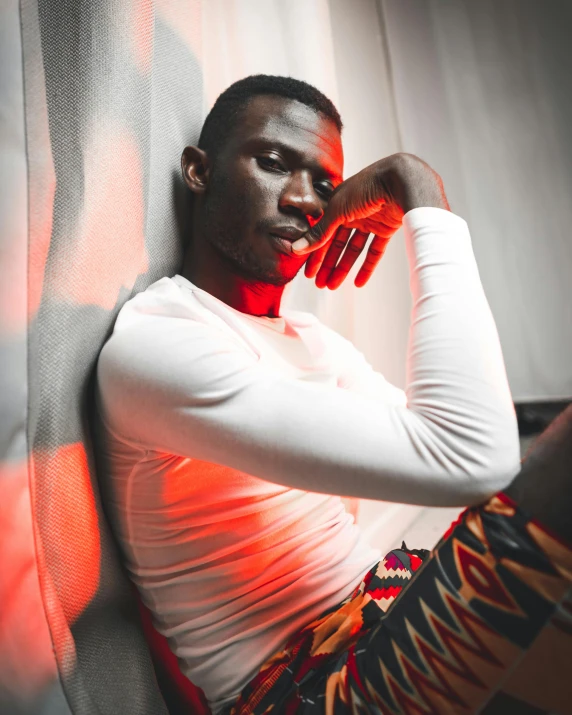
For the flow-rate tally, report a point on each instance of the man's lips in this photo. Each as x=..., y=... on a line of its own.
x=284, y=236
x=282, y=245
x=290, y=233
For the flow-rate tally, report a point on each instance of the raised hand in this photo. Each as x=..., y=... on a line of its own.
x=373, y=201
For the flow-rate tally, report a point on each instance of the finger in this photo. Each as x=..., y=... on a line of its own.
x=320, y=233
x=312, y=265
x=353, y=249
x=334, y=251
x=374, y=256
x=369, y=226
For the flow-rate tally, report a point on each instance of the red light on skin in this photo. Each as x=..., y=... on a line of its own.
x=108, y=248
x=282, y=245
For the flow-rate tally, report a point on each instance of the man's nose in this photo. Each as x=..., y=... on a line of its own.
x=301, y=195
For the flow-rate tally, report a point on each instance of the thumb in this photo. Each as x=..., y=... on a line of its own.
x=319, y=234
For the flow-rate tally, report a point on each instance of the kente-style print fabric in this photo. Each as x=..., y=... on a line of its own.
x=455, y=639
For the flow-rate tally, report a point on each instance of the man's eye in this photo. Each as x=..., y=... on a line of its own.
x=326, y=190
x=268, y=162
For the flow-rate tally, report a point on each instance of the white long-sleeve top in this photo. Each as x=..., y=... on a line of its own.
x=226, y=434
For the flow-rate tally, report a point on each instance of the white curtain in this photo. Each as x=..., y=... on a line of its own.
x=482, y=92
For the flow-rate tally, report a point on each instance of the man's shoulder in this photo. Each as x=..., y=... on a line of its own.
x=165, y=306
x=164, y=298
x=160, y=326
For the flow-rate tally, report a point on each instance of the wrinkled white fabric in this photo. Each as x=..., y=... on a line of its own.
x=226, y=434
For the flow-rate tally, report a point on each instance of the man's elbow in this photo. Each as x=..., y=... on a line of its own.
x=495, y=470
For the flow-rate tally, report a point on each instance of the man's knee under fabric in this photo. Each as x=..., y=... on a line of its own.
x=493, y=594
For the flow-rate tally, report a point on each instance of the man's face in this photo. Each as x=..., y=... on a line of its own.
x=268, y=185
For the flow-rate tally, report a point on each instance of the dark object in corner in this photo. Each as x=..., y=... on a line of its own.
x=534, y=417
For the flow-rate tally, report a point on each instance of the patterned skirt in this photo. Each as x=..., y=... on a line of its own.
x=482, y=624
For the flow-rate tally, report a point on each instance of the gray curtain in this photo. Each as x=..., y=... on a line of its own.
x=98, y=100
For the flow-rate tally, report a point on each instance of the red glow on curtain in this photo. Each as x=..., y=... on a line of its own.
x=185, y=19
x=42, y=189
x=141, y=26
x=26, y=654
x=69, y=526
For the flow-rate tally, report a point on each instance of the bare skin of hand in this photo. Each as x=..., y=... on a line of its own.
x=373, y=201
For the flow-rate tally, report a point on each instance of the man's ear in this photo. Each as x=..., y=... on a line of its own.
x=195, y=168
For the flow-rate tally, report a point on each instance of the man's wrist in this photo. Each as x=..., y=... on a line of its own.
x=414, y=184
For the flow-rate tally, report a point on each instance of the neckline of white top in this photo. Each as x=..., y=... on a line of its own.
x=278, y=323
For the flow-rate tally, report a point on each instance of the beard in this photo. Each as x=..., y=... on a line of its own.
x=225, y=234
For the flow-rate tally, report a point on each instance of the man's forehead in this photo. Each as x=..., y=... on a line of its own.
x=269, y=118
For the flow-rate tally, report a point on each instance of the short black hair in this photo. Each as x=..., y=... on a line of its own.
x=235, y=98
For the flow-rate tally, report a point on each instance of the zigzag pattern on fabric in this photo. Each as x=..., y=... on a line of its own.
x=449, y=639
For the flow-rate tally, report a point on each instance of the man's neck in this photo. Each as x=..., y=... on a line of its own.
x=206, y=271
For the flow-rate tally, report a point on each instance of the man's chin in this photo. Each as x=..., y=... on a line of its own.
x=279, y=279
x=263, y=274
x=250, y=268
x=270, y=279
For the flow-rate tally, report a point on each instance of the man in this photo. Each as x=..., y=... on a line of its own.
x=228, y=423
